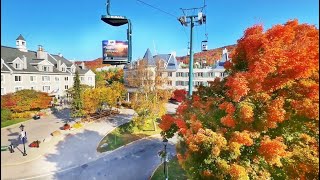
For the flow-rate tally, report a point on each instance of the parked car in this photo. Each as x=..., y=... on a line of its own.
x=173, y=101
x=37, y=116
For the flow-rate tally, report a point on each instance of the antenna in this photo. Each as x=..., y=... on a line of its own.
x=154, y=48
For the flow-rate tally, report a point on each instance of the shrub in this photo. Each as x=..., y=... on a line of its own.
x=6, y=115
x=77, y=125
x=21, y=115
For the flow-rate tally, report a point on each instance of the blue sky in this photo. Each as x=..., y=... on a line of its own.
x=74, y=28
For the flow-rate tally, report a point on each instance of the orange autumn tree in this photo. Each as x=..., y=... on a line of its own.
x=262, y=121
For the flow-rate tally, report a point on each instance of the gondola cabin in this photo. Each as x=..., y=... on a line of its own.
x=204, y=45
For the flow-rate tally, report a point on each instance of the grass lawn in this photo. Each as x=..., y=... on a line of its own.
x=174, y=171
x=119, y=136
x=13, y=121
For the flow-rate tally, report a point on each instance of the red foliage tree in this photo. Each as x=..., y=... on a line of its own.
x=179, y=95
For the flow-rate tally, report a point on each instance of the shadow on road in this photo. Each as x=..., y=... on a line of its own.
x=62, y=114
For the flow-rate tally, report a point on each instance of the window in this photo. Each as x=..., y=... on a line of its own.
x=17, y=78
x=17, y=88
x=45, y=78
x=179, y=74
x=82, y=78
x=56, y=78
x=63, y=69
x=45, y=88
x=179, y=83
x=211, y=74
x=66, y=78
x=46, y=68
x=169, y=83
x=2, y=78
x=18, y=66
x=23, y=43
x=2, y=91
x=33, y=87
x=200, y=74
x=169, y=74
x=89, y=79
x=33, y=78
x=66, y=87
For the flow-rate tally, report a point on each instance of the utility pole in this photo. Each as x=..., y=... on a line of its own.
x=194, y=20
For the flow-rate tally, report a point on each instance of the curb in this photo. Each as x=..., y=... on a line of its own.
x=13, y=125
x=154, y=171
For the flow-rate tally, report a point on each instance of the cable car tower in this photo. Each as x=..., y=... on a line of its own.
x=198, y=19
x=111, y=46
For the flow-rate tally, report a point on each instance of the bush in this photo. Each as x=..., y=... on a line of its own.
x=77, y=125
x=6, y=115
x=21, y=115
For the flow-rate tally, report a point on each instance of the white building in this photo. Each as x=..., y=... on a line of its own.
x=39, y=70
x=176, y=74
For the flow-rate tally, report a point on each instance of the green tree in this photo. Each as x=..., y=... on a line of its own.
x=77, y=104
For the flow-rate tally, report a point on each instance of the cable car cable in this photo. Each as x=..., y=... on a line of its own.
x=158, y=9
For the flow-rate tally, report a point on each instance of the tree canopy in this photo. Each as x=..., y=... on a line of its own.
x=261, y=121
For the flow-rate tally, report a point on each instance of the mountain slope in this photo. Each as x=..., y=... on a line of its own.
x=210, y=56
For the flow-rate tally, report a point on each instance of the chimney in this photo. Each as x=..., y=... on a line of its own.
x=24, y=58
x=60, y=55
x=41, y=54
x=59, y=65
x=82, y=65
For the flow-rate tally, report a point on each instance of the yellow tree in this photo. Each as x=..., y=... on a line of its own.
x=150, y=98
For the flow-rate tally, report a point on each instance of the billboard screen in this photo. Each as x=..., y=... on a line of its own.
x=114, y=50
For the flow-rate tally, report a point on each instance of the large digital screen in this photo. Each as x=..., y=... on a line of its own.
x=114, y=50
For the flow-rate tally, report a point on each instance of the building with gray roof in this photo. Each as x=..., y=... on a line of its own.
x=39, y=70
x=176, y=74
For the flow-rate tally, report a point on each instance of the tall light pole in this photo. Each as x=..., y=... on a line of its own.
x=165, y=169
x=23, y=136
x=199, y=19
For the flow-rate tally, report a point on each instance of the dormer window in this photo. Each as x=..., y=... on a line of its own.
x=63, y=69
x=46, y=68
x=18, y=66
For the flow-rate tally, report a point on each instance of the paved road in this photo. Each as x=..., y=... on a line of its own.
x=133, y=162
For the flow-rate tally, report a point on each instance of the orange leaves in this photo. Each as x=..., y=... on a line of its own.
x=238, y=86
x=275, y=112
x=166, y=122
x=273, y=150
x=246, y=112
x=242, y=138
x=238, y=172
x=228, y=107
x=228, y=121
x=306, y=108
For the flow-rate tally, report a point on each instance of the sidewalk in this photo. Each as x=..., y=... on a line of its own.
x=36, y=130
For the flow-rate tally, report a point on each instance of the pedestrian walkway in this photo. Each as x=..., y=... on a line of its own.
x=37, y=130
x=71, y=148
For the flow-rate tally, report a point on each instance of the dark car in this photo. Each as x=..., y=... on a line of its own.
x=37, y=116
x=173, y=101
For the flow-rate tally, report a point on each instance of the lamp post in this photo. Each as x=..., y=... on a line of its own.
x=165, y=170
x=23, y=136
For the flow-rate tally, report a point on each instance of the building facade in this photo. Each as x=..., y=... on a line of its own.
x=176, y=74
x=39, y=70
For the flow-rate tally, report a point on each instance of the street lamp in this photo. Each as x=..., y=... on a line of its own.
x=23, y=136
x=165, y=142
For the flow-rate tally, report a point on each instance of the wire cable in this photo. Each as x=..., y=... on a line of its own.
x=157, y=8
